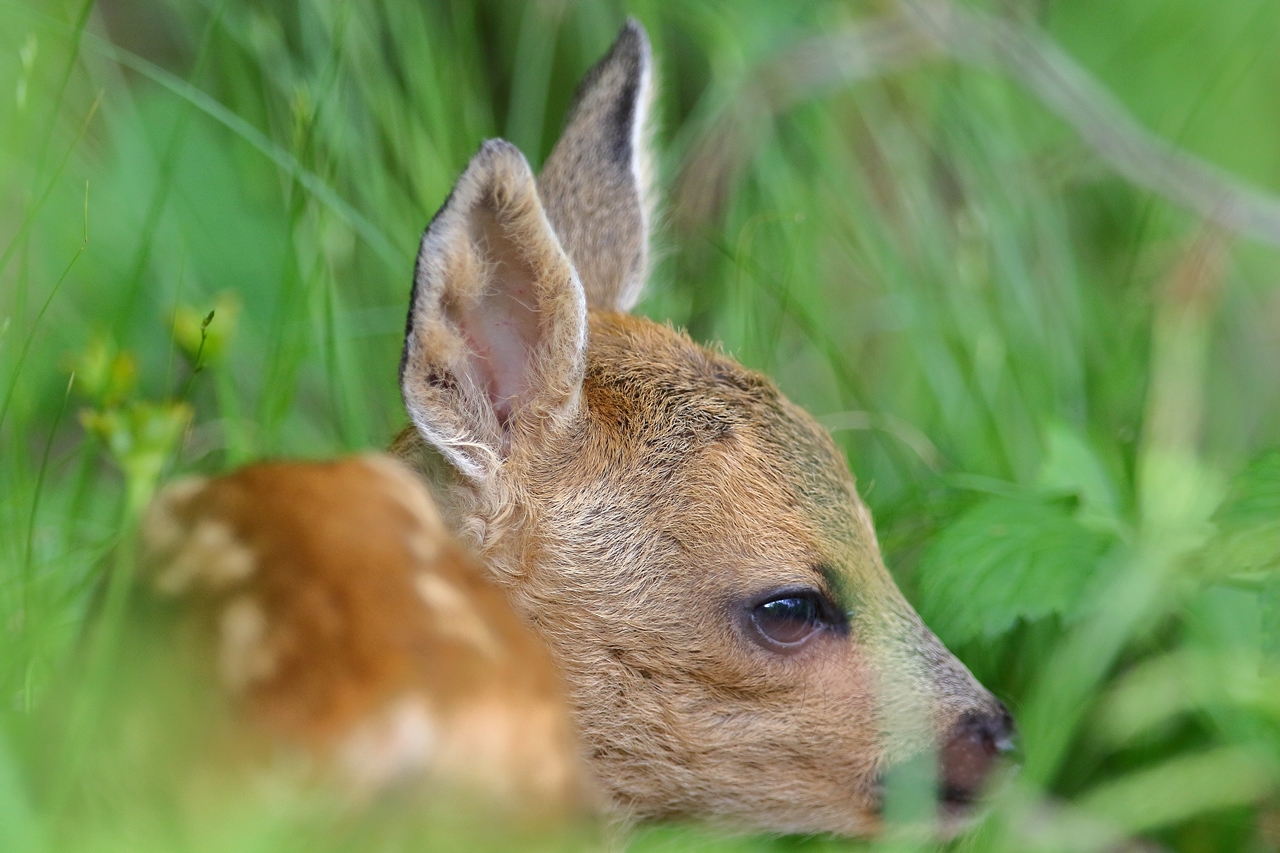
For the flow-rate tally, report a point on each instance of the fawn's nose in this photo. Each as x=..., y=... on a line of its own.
x=967, y=758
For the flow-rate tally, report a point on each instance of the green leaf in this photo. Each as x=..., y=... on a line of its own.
x=1186, y=785
x=1248, y=523
x=1004, y=560
x=1071, y=466
x=1271, y=621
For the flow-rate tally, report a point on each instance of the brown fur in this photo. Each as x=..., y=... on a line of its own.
x=355, y=627
x=601, y=171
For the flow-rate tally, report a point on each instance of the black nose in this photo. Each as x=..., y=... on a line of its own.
x=970, y=753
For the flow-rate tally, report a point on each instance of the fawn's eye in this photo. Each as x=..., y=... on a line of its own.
x=789, y=619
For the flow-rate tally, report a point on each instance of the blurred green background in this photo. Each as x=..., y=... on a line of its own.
x=1048, y=340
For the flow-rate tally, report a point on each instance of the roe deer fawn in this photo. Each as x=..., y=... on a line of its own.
x=686, y=545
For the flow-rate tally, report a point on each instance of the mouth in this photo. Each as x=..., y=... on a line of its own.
x=951, y=799
x=956, y=813
x=968, y=768
x=956, y=809
x=955, y=799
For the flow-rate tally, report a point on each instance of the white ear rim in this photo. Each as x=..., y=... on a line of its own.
x=642, y=166
x=468, y=433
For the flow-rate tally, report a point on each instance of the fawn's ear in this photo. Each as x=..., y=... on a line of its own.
x=596, y=184
x=496, y=336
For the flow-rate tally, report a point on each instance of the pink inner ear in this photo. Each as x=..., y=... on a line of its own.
x=501, y=326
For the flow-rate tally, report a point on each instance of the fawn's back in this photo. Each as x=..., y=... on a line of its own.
x=341, y=618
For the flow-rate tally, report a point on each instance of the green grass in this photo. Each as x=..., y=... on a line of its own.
x=1058, y=390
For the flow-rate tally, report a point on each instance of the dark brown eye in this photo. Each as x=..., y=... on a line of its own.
x=788, y=620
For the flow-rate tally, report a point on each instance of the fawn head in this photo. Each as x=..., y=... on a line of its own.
x=689, y=544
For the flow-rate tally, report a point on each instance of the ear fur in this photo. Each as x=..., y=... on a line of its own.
x=496, y=335
x=596, y=184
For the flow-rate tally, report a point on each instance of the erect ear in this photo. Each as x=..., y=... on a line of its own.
x=596, y=184
x=496, y=336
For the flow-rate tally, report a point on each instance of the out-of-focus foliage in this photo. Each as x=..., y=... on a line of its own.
x=200, y=339
x=1058, y=389
x=1248, y=521
x=1007, y=559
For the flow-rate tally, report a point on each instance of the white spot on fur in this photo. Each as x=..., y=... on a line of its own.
x=455, y=615
x=407, y=490
x=396, y=743
x=211, y=554
x=425, y=546
x=506, y=749
x=162, y=529
x=183, y=490
x=244, y=655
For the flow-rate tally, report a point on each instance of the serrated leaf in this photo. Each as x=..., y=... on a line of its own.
x=1072, y=466
x=1248, y=522
x=1006, y=560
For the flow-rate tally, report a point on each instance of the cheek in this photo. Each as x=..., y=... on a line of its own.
x=805, y=733
x=841, y=679
x=831, y=712
x=823, y=699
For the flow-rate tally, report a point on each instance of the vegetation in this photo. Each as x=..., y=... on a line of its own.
x=1047, y=341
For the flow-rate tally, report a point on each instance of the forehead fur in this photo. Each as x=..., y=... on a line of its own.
x=714, y=455
x=648, y=381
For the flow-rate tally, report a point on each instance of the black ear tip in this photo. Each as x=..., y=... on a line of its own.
x=632, y=41
x=618, y=77
x=632, y=28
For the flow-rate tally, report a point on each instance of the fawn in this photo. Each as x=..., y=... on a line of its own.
x=624, y=529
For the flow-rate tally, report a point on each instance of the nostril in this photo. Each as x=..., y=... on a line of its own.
x=969, y=755
x=1004, y=730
